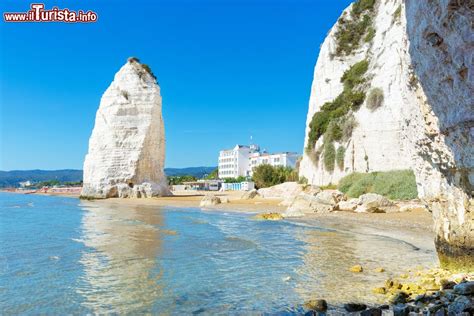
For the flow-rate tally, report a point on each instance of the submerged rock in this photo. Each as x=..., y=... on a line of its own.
x=269, y=216
x=127, y=146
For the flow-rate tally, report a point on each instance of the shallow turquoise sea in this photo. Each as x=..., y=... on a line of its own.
x=66, y=256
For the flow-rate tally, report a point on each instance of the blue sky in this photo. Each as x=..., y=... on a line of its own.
x=228, y=70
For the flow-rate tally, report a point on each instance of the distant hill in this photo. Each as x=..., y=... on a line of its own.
x=12, y=178
x=198, y=172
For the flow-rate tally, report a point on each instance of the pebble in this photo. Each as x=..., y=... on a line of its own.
x=357, y=269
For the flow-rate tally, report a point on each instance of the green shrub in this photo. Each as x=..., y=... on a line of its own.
x=333, y=132
x=351, y=31
x=349, y=123
x=362, y=5
x=267, y=175
x=303, y=180
x=355, y=74
x=364, y=185
x=396, y=185
x=340, y=153
x=314, y=155
x=370, y=35
x=213, y=175
x=375, y=99
x=235, y=180
x=318, y=126
x=349, y=99
x=329, y=156
x=174, y=180
x=346, y=182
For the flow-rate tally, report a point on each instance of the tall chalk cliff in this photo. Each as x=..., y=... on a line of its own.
x=127, y=147
x=393, y=89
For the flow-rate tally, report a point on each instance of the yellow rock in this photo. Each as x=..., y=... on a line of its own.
x=269, y=216
x=357, y=269
x=393, y=285
x=404, y=276
x=380, y=270
x=379, y=290
x=430, y=285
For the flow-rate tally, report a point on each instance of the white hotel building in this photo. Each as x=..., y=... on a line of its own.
x=240, y=160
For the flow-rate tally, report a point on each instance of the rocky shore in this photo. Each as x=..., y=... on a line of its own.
x=433, y=292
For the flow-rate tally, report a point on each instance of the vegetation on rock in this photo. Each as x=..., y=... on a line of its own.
x=370, y=35
x=340, y=157
x=375, y=99
x=350, y=99
x=334, y=120
x=329, y=155
x=348, y=125
x=397, y=14
x=395, y=185
x=148, y=69
x=351, y=30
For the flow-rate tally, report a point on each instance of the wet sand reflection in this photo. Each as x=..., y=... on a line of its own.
x=330, y=254
x=121, y=273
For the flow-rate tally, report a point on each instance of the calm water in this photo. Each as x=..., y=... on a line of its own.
x=61, y=255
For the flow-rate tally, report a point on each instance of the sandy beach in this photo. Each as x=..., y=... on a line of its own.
x=413, y=227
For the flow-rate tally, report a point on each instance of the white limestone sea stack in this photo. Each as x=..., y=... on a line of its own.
x=127, y=147
x=393, y=89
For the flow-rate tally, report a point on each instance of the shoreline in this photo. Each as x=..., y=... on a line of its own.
x=414, y=228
